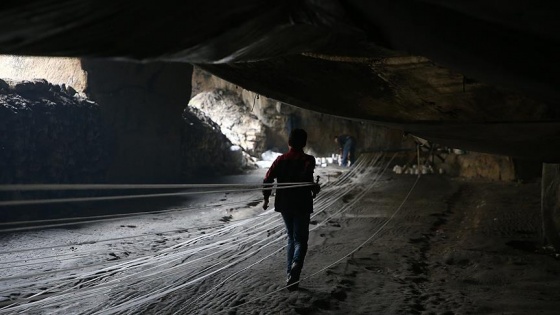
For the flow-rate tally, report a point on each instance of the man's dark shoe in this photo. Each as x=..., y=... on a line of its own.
x=293, y=277
x=292, y=283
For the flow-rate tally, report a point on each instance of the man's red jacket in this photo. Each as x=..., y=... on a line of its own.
x=294, y=166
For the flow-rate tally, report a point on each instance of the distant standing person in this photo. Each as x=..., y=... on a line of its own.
x=347, y=146
x=295, y=204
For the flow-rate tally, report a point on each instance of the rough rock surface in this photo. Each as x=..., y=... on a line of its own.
x=144, y=104
x=279, y=118
x=208, y=152
x=52, y=134
x=234, y=119
x=56, y=70
x=479, y=165
x=48, y=133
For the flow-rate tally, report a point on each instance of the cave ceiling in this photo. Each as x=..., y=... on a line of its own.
x=477, y=75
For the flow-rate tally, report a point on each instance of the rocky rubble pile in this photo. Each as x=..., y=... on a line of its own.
x=50, y=134
x=206, y=151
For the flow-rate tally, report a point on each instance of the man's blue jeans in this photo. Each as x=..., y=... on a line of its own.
x=349, y=148
x=297, y=229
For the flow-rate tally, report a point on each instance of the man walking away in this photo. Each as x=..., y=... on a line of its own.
x=295, y=204
x=347, y=146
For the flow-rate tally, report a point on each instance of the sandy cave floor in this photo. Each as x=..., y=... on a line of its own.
x=380, y=243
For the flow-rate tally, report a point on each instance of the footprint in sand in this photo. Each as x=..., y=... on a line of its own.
x=339, y=294
x=226, y=218
x=333, y=223
x=129, y=226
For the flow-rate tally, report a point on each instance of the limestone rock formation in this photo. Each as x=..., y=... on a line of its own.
x=279, y=118
x=234, y=118
x=206, y=151
x=58, y=71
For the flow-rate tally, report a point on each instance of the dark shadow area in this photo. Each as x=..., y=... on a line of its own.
x=79, y=211
x=527, y=246
x=527, y=170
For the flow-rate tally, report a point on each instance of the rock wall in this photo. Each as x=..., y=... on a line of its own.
x=208, y=152
x=481, y=166
x=468, y=164
x=143, y=103
x=50, y=134
x=234, y=119
x=148, y=136
x=156, y=139
x=279, y=118
x=151, y=138
x=56, y=70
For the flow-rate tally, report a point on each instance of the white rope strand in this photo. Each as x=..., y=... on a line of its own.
x=56, y=187
x=124, y=197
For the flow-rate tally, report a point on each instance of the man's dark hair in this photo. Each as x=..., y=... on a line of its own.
x=298, y=139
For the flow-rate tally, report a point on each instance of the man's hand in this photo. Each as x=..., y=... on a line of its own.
x=315, y=189
x=265, y=204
